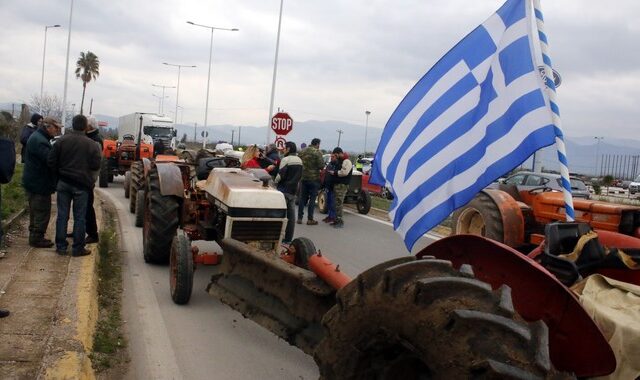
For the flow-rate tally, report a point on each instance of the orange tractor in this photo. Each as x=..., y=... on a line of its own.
x=464, y=307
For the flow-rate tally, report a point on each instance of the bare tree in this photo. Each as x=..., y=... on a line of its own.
x=47, y=105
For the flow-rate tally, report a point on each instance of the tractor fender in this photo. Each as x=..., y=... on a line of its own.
x=575, y=342
x=146, y=166
x=170, y=180
x=512, y=218
x=109, y=148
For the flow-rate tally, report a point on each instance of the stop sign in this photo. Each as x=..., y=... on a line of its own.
x=281, y=123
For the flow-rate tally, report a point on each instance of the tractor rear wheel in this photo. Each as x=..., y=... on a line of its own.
x=304, y=248
x=127, y=183
x=323, y=207
x=137, y=173
x=103, y=179
x=480, y=217
x=139, y=215
x=364, y=202
x=181, y=266
x=414, y=319
x=160, y=221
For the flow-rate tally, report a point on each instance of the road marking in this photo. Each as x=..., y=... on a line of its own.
x=428, y=235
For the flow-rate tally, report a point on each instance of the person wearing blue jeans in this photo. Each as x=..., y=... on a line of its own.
x=73, y=159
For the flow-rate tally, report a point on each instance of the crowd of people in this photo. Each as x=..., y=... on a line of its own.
x=298, y=175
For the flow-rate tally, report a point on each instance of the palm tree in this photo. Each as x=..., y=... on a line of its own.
x=87, y=68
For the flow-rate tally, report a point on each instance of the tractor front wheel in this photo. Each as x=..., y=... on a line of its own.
x=135, y=184
x=139, y=216
x=181, y=266
x=364, y=202
x=127, y=183
x=160, y=221
x=421, y=318
x=304, y=248
x=323, y=207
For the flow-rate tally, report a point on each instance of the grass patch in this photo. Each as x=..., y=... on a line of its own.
x=381, y=203
x=109, y=341
x=14, y=198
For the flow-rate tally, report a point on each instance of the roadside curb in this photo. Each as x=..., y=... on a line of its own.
x=68, y=349
x=13, y=219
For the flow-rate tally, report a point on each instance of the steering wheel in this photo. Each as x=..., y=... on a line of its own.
x=540, y=189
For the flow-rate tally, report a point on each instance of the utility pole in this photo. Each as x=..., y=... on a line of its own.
x=340, y=132
x=239, y=131
x=232, y=133
x=195, y=137
x=91, y=107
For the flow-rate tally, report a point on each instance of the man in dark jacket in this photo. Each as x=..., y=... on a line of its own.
x=287, y=180
x=313, y=163
x=92, y=225
x=73, y=158
x=39, y=182
x=27, y=131
x=341, y=178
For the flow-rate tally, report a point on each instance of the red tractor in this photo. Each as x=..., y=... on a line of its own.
x=117, y=157
x=464, y=307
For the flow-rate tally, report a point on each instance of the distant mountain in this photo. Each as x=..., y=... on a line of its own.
x=581, y=151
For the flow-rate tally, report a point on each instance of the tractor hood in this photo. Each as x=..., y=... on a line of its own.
x=236, y=188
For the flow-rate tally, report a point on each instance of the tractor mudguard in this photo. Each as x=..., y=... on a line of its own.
x=170, y=180
x=109, y=148
x=512, y=219
x=575, y=342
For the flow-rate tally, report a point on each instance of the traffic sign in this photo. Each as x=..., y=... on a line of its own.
x=205, y=133
x=280, y=141
x=281, y=123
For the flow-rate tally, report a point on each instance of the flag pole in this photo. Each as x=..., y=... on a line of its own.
x=551, y=91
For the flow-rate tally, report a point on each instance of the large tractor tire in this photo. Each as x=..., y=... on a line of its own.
x=137, y=179
x=323, y=207
x=103, y=179
x=138, y=219
x=160, y=221
x=364, y=202
x=127, y=184
x=304, y=248
x=480, y=217
x=423, y=319
x=181, y=266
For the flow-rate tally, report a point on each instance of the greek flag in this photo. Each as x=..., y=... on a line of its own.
x=478, y=113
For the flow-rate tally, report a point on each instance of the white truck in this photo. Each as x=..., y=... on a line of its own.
x=154, y=127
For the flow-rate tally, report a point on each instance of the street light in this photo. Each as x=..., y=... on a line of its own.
x=161, y=109
x=366, y=127
x=275, y=71
x=160, y=101
x=178, y=86
x=66, y=70
x=599, y=138
x=44, y=52
x=212, y=28
x=340, y=132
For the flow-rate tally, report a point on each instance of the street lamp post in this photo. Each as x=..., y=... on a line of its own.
x=366, y=127
x=178, y=85
x=161, y=109
x=340, y=132
x=66, y=71
x=275, y=71
x=44, y=52
x=160, y=101
x=599, y=138
x=212, y=28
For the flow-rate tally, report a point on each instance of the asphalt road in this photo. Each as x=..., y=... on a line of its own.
x=207, y=339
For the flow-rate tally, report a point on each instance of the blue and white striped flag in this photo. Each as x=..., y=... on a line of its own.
x=479, y=112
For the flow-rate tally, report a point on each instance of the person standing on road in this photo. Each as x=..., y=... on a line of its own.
x=7, y=167
x=39, y=181
x=341, y=179
x=287, y=180
x=73, y=158
x=328, y=188
x=312, y=163
x=27, y=131
x=92, y=225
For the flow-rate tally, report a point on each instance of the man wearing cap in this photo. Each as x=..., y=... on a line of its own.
x=287, y=180
x=341, y=179
x=27, y=131
x=313, y=163
x=39, y=181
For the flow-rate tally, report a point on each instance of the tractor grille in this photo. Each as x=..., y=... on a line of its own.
x=256, y=230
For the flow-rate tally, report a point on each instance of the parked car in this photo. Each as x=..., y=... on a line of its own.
x=532, y=181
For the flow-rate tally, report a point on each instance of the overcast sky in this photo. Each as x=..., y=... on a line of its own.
x=337, y=58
